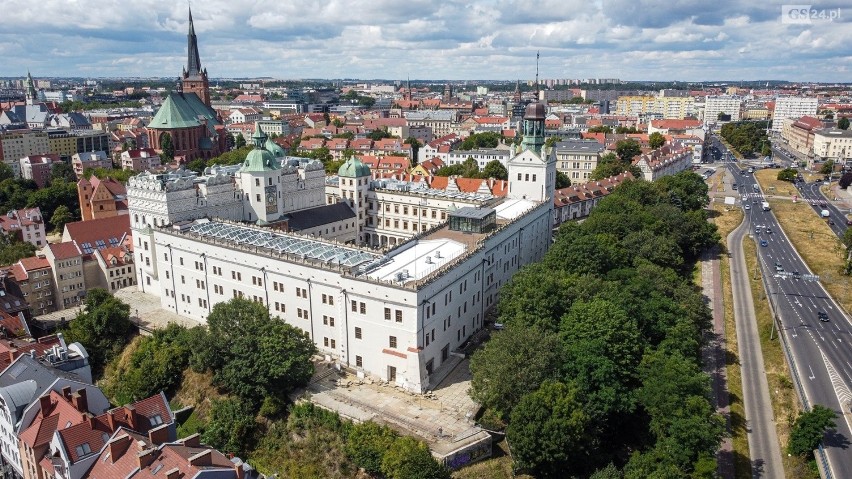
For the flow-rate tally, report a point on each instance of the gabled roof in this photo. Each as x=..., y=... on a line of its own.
x=183, y=110
x=64, y=250
x=99, y=233
x=59, y=413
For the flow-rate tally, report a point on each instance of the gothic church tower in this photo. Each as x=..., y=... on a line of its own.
x=194, y=78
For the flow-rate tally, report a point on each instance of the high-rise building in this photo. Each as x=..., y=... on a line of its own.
x=792, y=107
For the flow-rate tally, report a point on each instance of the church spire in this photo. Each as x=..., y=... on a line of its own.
x=31, y=93
x=193, y=61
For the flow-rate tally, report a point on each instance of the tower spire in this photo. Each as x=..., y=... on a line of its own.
x=193, y=61
x=536, y=74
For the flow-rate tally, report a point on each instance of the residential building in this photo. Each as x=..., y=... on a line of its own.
x=25, y=380
x=832, y=144
x=66, y=261
x=576, y=201
x=101, y=198
x=38, y=168
x=578, y=158
x=664, y=161
x=483, y=156
x=26, y=224
x=139, y=160
x=244, y=115
x=107, y=249
x=635, y=105
x=726, y=104
x=17, y=144
x=799, y=133
x=548, y=96
x=92, y=159
x=68, y=142
x=32, y=280
x=792, y=107
x=441, y=122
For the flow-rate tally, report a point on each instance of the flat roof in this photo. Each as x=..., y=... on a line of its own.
x=418, y=260
x=513, y=208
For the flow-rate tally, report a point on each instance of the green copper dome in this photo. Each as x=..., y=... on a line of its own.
x=353, y=168
x=274, y=148
x=259, y=159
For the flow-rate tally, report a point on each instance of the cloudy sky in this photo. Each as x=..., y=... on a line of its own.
x=685, y=40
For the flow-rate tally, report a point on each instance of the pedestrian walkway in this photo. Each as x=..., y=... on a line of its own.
x=713, y=355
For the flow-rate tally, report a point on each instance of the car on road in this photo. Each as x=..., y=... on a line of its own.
x=778, y=267
x=734, y=186
x=747, y=206
x=797, y=275
x=822, y=316
x=764, y=243
x=769, y=230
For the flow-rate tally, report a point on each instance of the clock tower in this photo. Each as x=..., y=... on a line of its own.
x=260, y=181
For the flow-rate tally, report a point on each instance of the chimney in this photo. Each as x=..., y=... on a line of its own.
x=203, y=458
x=118, y=447
x=132, y=417
x=159, y=434
x=238, y=469
x=44, y=403
x=110, y=416
x=66, y=392
x=79, y=400
x=13, y=354
x=192, y=441
x=145, y=458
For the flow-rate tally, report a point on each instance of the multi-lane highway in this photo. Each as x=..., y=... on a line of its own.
x=821, y=351
x=811, y=193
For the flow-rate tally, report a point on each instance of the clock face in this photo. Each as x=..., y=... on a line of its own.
x=270, y=199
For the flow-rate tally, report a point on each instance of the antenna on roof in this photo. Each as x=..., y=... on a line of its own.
x=537, y=54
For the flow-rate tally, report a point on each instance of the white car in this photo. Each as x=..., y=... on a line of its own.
x=747, y=206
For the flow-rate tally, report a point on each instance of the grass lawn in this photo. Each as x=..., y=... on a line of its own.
x=727, y=220
x=816, y=243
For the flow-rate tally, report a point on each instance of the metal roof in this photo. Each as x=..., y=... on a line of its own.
x=281, y=243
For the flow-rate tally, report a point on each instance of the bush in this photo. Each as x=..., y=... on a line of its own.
x=408, y=458
x=231, y=427
x=788, y=174
x=809, y=429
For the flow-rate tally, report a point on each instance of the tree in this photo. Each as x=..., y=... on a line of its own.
x=415, y=149
x=252, y=354
x=495, y=169
x=656, y=140
x=167, y=148
x=61, y=215
x=600, y=129
x=809, y=429
x=488, y=139
x=548, y=432
x=827, y=167
x=103, y=327
x=788, y=174
x=515, y=362
x=721, y=116
x=338, y=122
x=6, y=172
x=378, y=134
x=62, y=171
x=548, y=143
x=231, y=427
x=408, y=458
x=843, y=123
x=845, y=180
x=326, y=118
x=626, y=150
x=562, y=180
x=367, y=444
x=13, y=249
x=239, y=141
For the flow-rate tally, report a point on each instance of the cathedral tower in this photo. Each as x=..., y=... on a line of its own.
x=194, y=78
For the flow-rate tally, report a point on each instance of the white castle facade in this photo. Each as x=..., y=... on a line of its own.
x=389, y=278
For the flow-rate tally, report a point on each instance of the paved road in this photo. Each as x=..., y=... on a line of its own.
x=811, y=193
x=762, y=437
x=821, y=358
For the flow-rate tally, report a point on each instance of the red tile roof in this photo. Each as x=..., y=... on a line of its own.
x=99, y=229
x=65, y=250
x=33, y=263
x=59, y=411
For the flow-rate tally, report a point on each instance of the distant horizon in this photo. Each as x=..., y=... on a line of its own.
x=458, y=40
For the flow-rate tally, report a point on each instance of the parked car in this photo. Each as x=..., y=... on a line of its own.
x=778, y=267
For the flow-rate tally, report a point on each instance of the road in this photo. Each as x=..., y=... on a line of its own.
x=821, y=358
x=762, y=437
x=811, y=193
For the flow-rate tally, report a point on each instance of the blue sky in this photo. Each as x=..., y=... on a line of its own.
x=686, y=40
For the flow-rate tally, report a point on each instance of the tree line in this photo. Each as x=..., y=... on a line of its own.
x=747, y=137
x=598, y=370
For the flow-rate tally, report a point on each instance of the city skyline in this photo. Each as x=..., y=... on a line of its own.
x=649, y=40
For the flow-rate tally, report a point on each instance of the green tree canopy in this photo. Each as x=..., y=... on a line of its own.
x=495, y=169
x=809, y=429
x=549, y=431
x=627, y=149
x=562, y=180
x=600, y=129
x=167, y=148
x=13, y=249
x=103, y=328
x=251, y=354
x=239, y=141
x=656, y=140
x=788, y=174
x=843, y=123
x=61, y=215
x=231, y=427
x=488, y=139
x=514, y=363
x=367, y=444
x=408, y=458
x=827, y=168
